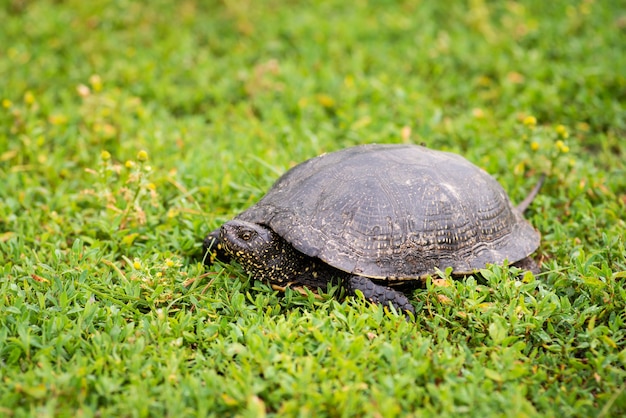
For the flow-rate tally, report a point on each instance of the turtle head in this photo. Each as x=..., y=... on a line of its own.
x=257, y=248
x=243, y=239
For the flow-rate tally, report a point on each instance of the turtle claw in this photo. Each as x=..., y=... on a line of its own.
x=376, y=293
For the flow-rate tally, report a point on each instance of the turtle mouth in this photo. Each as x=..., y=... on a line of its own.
x=228, y=239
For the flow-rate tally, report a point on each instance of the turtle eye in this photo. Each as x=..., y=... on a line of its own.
x=246, y=235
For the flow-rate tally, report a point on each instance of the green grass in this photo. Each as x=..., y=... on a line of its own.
x=128, y=130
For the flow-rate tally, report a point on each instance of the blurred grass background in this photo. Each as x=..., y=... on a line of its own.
x=128, y=130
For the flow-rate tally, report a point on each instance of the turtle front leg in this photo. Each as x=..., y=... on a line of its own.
x=376, y=293
x=212, y=249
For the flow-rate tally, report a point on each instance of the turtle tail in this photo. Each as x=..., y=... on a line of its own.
x=531, y=196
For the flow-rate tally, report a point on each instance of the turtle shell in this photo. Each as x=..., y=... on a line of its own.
x=395, y=212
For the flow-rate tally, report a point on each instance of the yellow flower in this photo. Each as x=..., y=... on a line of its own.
x=6, y=103
x=129, y=164
x=105, y=155
x=142, y=156
x=530, y=121
x=29, y=98
x=137, y=264
x=534, y=145
x=96, y=82
x=325, y=100
x=169, y=263
x=57, y=119
x=561, y=130
x=562, y=147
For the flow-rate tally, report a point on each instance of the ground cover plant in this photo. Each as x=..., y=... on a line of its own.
x=128, y=130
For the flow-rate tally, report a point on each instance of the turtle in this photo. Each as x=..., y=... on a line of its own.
x=375, y=218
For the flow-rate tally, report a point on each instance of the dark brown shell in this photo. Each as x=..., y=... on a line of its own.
x=395, y=212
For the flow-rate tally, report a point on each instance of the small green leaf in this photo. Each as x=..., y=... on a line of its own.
x=494, y=375
x=128, y=240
